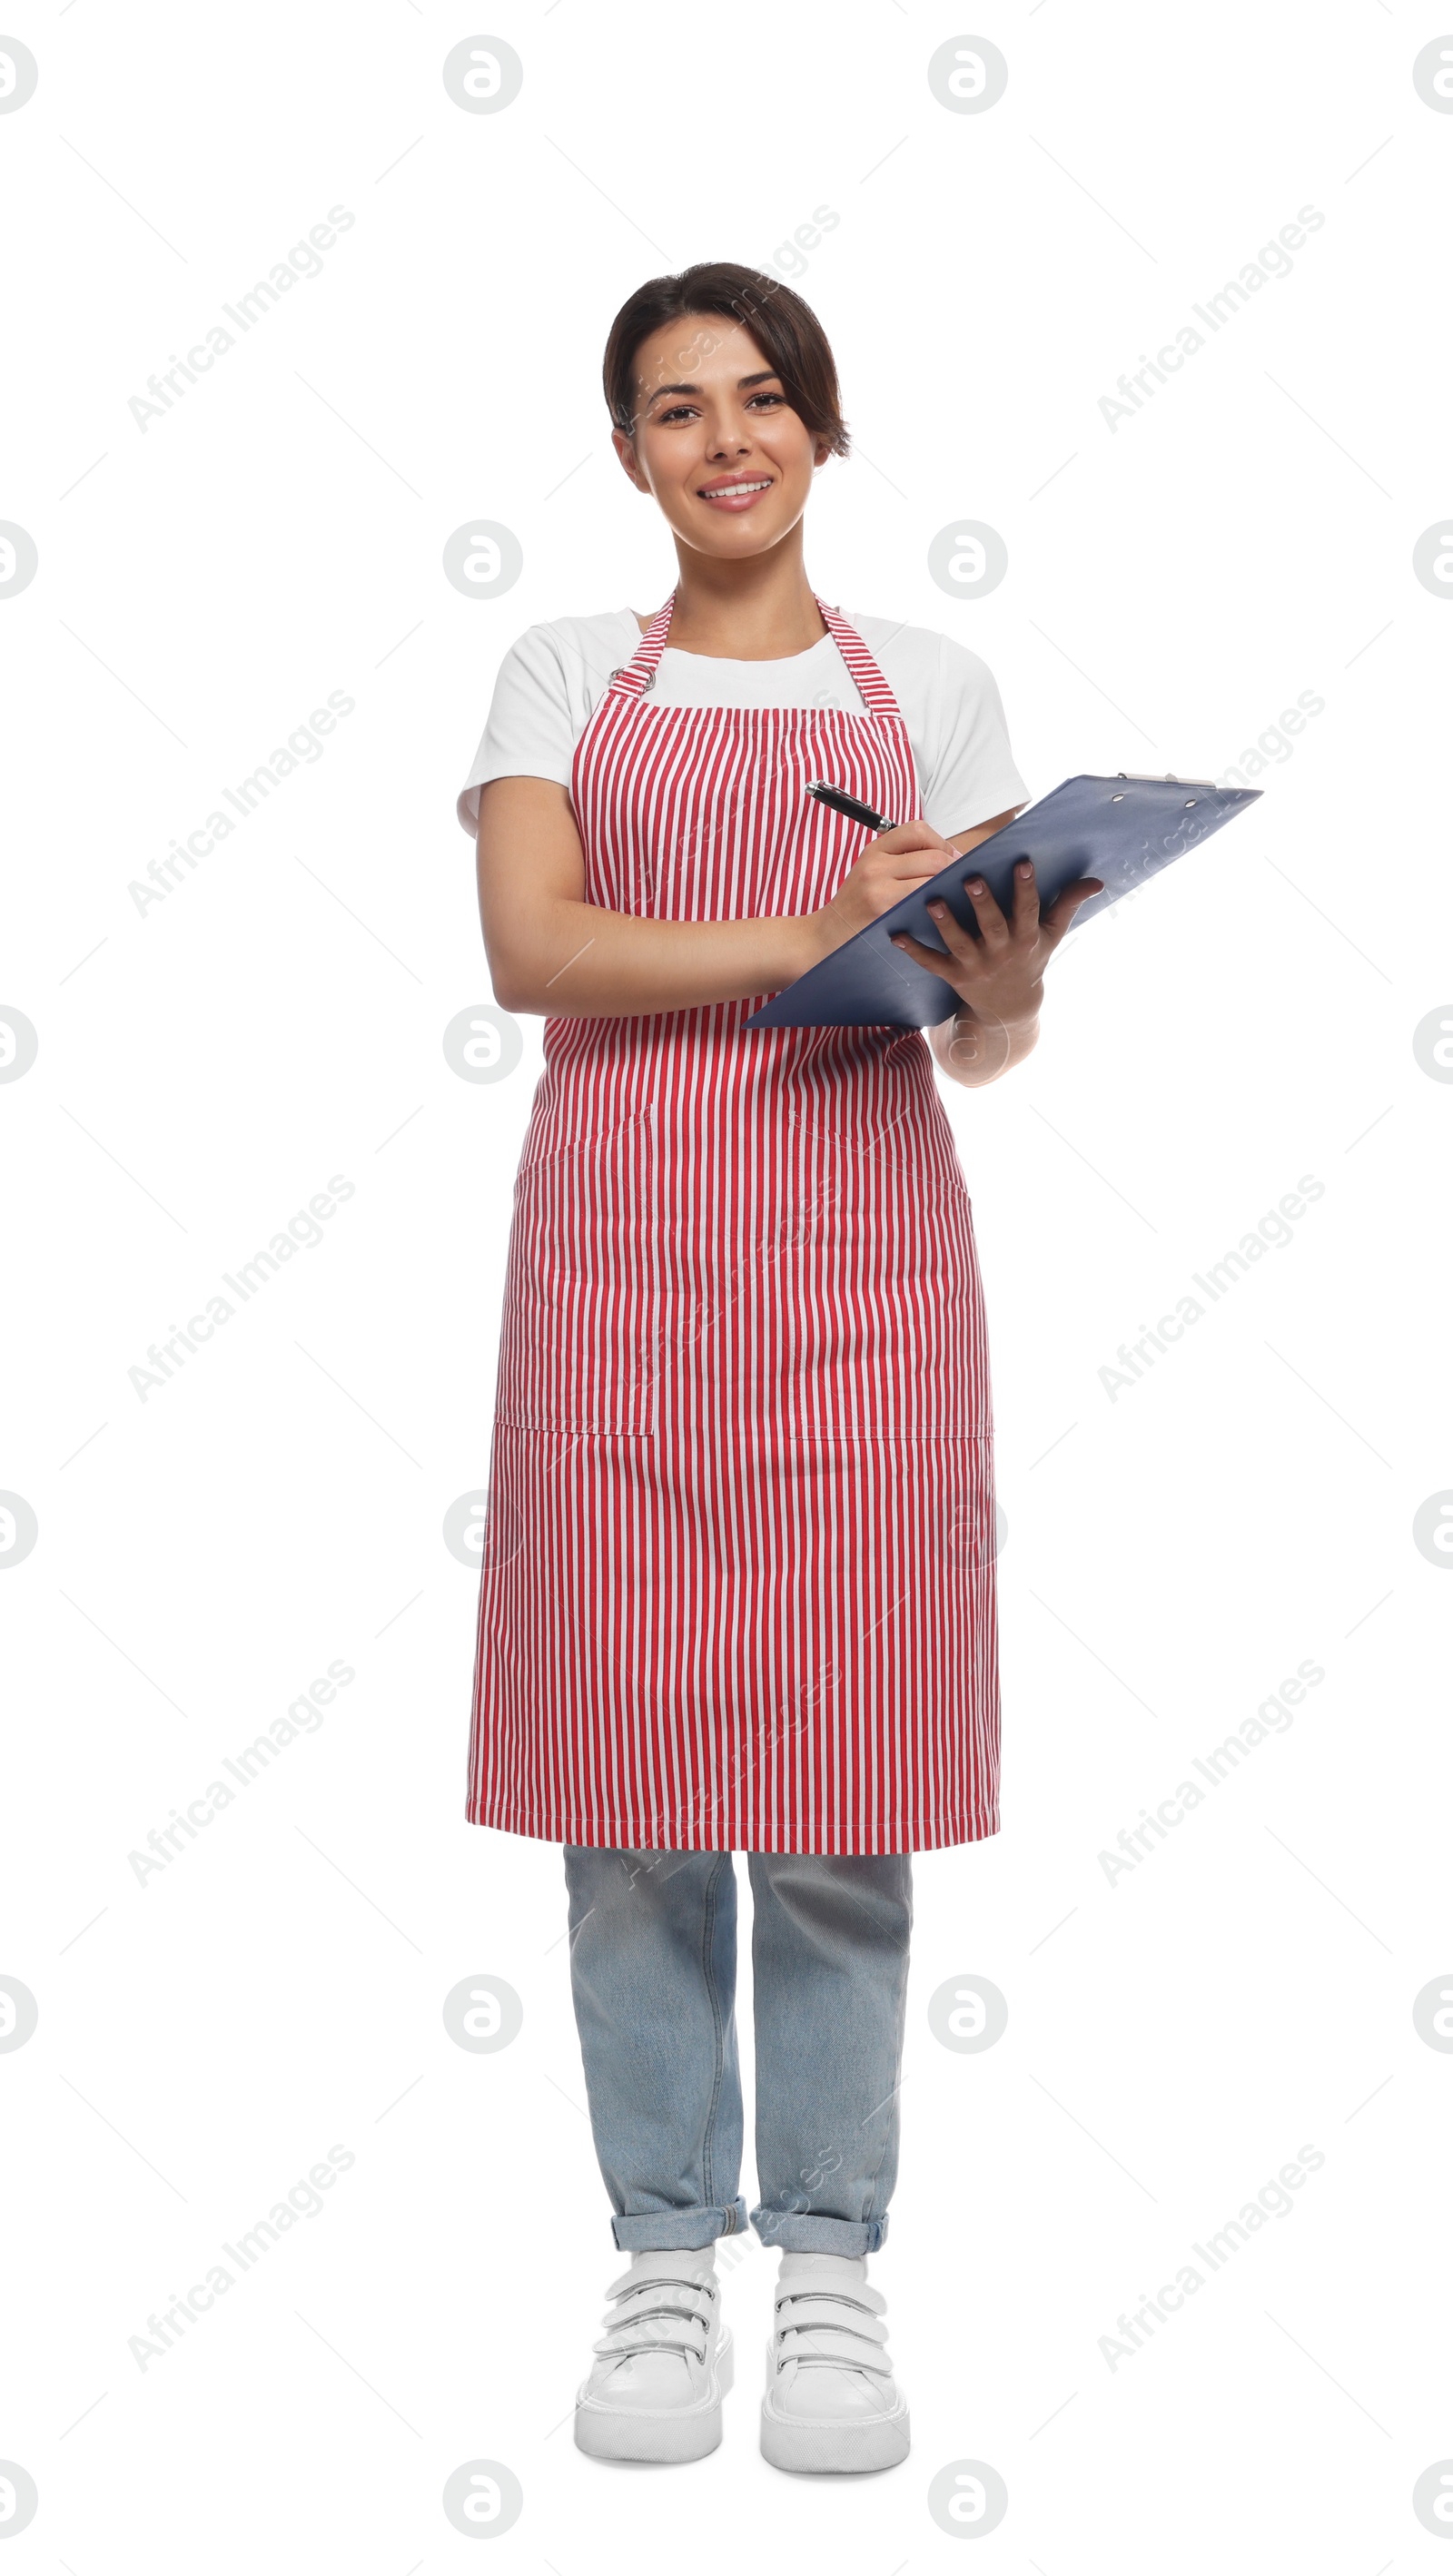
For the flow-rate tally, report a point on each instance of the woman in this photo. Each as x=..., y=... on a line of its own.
x=738, y=1590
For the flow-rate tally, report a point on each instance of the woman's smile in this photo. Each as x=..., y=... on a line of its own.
x=734, y=491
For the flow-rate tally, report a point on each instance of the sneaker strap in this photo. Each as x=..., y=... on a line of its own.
x=824, y=2280
x=838, y=2327
x=659, y=2316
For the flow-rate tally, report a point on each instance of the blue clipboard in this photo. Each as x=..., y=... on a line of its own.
x=1123, y=830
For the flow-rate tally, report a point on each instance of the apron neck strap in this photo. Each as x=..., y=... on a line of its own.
x=632, y=679
x=636, y=677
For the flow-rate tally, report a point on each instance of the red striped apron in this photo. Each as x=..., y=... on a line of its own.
x=738, y=1582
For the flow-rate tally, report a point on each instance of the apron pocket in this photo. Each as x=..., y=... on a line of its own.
x=875, y=1320
x=580, y=1325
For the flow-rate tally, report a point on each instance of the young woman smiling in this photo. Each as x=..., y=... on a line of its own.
x=738, y=1589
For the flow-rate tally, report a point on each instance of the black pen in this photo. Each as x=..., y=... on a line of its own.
x=852, y=806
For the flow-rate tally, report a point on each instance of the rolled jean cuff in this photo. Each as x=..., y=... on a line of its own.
x=670, y=2230
x=794, y=2234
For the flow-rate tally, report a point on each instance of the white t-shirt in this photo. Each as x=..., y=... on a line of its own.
x=554, y=675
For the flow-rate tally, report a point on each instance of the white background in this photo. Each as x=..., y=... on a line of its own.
x=205, y=1067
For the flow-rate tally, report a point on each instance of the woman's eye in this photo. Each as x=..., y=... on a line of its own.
x=683, y=411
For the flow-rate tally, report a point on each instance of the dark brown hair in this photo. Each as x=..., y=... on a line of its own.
x=787, y=330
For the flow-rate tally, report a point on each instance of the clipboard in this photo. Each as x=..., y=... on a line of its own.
x=1123, y=830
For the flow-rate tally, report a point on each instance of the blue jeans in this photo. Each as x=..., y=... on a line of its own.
x=653, y=1958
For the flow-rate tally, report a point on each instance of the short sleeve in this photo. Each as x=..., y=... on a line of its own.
x=530, y=729
x=970, y=774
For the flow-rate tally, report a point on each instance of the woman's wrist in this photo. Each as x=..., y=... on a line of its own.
x=810, y=940
x=974, y=1051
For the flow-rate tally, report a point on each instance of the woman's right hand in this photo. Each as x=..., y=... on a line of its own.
x=888, y=869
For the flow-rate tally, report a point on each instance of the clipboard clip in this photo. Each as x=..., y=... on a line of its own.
x=1150, y=778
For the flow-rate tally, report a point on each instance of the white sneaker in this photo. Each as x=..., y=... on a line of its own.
x=831, y=2403
x=663, y=2364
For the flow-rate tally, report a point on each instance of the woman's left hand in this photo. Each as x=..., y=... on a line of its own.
x=999, y=975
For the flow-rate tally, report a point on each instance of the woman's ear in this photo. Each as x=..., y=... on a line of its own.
x=626, y=450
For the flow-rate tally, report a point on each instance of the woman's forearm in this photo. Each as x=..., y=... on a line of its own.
x=590, y=963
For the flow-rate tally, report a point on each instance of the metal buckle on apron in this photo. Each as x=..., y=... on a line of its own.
x=648, y=683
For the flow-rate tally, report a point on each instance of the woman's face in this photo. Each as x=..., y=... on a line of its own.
x=711, y=414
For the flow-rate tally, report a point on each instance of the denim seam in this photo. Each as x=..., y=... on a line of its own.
x=708, y=2179
x=901, y=1999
